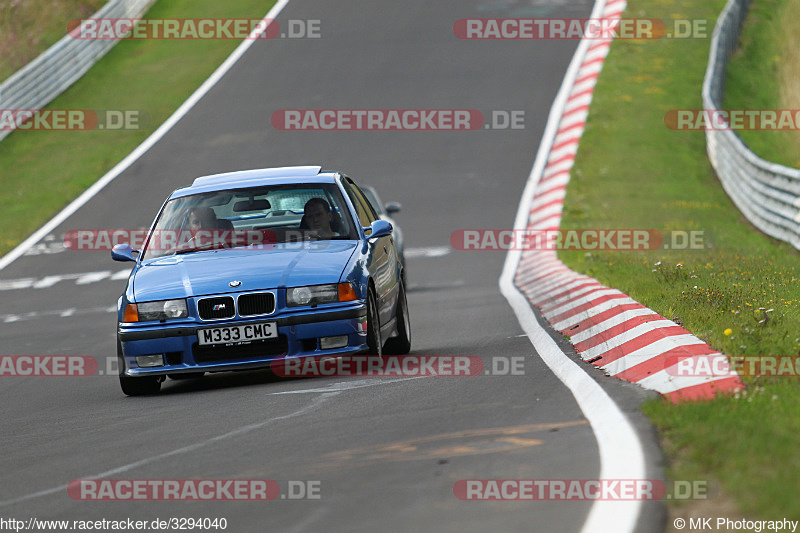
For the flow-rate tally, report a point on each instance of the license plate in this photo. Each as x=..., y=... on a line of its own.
x=229, y=334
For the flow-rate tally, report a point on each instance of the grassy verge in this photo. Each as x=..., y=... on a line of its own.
x=28, y=28
x=634, y=172
x=765, y=74
x=43, y=170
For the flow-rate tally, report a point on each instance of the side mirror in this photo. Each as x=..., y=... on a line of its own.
x=392, y=208
x=380, y=228
x=123, y=252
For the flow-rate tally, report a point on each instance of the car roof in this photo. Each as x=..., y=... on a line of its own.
x=256, y=177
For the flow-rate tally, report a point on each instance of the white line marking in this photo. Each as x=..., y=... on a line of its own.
x=148, y=143
x=621, y=455
x=48, y=281
x=348, y=385
x=92, y=277
x=63, y=313
x=14, y=284
x=122, y=274
x=48, y=246
x=315, y=404
x=427, y=251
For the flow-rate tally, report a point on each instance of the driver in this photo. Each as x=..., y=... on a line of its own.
x=318, y=218
x=202, y=218
x=202, y=224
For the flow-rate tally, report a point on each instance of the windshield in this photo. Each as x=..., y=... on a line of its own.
x=251, y=217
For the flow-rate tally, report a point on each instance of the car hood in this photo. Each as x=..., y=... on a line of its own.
x=202, y=273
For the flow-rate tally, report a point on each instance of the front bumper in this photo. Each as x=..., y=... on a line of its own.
x=298, y=336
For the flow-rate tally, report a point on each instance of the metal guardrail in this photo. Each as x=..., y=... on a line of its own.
x=51, y=73
x=766, y=193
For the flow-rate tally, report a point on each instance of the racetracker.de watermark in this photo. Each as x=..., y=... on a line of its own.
x=193, y=489
x=300, y=367
x=719, y=366
x=579, y=28
x=72, y=119
x=398, y=366
x=733, y=119
x=396, y=119
x=580, y=489
x=172, y=240
x=47, y=365
x=577, y=239
x=192, y=29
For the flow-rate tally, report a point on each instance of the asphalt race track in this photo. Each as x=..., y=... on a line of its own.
x=386, y=452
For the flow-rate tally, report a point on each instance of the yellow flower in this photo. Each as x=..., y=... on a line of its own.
x=728, y=331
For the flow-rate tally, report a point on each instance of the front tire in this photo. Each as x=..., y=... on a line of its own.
x=135, y=386
x=401, y=344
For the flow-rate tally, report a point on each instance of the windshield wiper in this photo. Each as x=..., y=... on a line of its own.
x=194, y=249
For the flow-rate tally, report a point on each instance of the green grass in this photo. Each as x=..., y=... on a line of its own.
x=756, y=73
x=42, y=171
x=746, y=444
x=634, y=172
x=28, y=28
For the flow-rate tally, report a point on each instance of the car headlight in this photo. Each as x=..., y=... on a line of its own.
x=320, y=294
x=161, y=310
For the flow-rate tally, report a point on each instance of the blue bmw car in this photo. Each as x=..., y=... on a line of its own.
x=243, y=268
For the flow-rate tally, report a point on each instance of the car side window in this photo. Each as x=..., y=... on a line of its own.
x=366, y=215
x=373, y=215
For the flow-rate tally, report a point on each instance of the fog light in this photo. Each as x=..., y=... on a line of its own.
x=329, y=343
x=146, y=361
